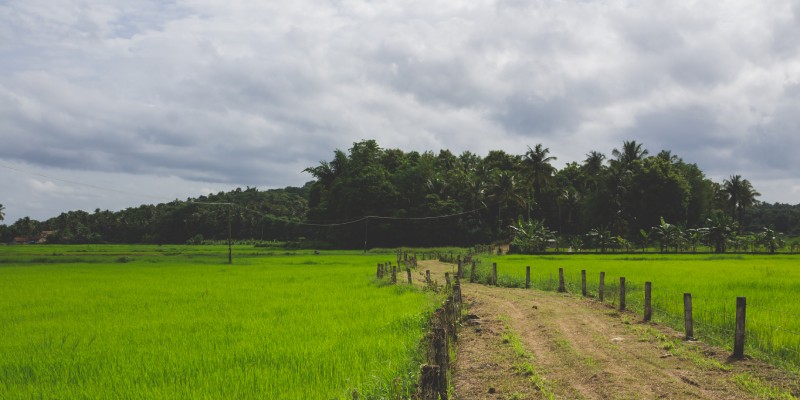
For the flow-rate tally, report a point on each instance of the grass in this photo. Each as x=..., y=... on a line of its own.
x=179, y=322
x=525, y=360
x=769, y=282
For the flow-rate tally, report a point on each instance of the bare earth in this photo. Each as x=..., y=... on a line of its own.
x=581, y=349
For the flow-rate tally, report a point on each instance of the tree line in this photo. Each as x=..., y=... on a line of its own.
x=629, y=199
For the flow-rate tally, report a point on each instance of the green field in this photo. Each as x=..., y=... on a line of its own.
x=127, y=322
x=771, y=285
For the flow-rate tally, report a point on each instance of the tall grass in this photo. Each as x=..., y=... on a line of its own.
x=179, y=326
x=771, y=284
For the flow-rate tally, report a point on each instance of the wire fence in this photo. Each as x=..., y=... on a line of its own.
x=770, y=334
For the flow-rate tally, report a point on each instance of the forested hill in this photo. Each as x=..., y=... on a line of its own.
x=428, y=199
x=253, y=214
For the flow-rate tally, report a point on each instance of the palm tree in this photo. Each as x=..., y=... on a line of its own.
x=740, y=195
x=2, y=212
x=631, y=151
x=538, y=170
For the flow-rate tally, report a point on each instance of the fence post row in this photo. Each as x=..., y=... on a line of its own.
x=687, y=316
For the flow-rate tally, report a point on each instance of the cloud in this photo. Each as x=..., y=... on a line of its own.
x=250, y=93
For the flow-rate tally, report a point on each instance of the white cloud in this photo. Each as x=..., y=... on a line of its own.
x=252, y=92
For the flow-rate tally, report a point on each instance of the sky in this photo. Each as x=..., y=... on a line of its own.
x=114, y=103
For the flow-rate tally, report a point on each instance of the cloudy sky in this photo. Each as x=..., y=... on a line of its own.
x=157, y=100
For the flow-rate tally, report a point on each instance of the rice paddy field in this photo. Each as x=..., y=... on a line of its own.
x=143, y=322
x=770, y=283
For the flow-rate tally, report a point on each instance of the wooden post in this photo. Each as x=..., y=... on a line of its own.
x=460, y=270
x=738, y=343
x=687, y=316
x=648, y=309
x=447, y=278
x=394, y=274
x=378, y=274
x=428, y=277
x=494, y=274
x=561, y=287
x=429, y=382
x=472, y=273
x=602, y=288
x=621, y=293
x=528, y=277
x=408, y=272
x=583, y=282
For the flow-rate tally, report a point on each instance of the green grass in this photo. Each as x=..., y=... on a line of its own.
x=179, y=322
x=770, y=283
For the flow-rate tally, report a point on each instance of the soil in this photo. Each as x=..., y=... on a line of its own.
x=583, y=349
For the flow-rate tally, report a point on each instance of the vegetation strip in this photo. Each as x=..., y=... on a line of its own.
x=524, y=360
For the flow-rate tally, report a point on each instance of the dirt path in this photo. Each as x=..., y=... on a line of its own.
x=529, y=344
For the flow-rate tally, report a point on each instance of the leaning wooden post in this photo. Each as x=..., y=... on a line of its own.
x=602, y=288
x=408, y=273
x=472, y=273
x=687, y=316
x=621, y=293
x=494, y=274
x=561, y=287
x=738, y=342
x=528, y=277
x=583, y=282
x=648, y=308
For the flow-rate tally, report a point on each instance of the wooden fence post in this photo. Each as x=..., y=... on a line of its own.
x=494, y=274
x=447, y=278
x=429, y=382
x=428, y=277
x=648, y=309
x=687, y=316
x=602, y=288
x=561, y=287
x=394, y=274
x=408, y=273
x=583, y=282
x=738, y=343
x=460, y=270
x=622, y=294
x=528, y=277
x=378, y=274
x=472, y=273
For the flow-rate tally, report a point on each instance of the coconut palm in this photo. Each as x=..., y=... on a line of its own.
x=631, y=151
x=2, y=212
x=740, y=195
x=538, y=170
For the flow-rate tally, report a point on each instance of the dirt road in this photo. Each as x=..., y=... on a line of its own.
x=529, y=344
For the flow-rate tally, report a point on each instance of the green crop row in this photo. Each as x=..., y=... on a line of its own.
x=180, y=322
